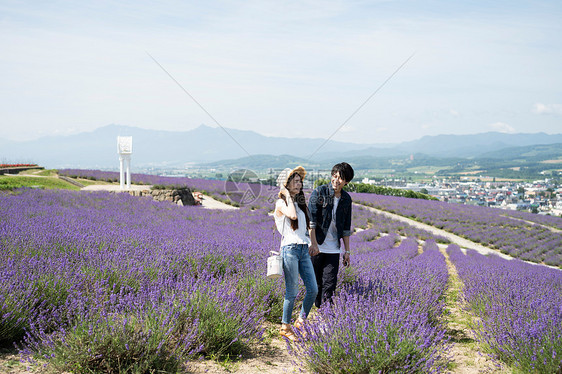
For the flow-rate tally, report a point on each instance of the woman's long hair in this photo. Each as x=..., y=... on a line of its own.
x=301, y=202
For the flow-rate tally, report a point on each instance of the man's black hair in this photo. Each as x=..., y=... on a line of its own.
x=345, y=170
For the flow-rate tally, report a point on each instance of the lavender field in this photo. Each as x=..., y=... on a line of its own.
x=101, y=282
x=521, y=235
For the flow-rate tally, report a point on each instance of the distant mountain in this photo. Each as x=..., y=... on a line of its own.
x=98, y=149
x=474, y=145
x=262, y=162
x=215, y=146
x=537, y=152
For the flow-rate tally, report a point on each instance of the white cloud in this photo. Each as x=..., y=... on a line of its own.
x=502, y=127
x=555, y=109
x=454, y=113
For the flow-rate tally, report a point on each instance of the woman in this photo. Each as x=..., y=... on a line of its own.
x=292, y=221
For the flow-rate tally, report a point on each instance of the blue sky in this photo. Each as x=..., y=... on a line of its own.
x=293, y=69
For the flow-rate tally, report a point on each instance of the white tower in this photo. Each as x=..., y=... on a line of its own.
x=125, y=149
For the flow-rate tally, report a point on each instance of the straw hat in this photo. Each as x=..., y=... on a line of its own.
x=286, y=174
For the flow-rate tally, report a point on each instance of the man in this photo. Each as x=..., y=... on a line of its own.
x=330, y=222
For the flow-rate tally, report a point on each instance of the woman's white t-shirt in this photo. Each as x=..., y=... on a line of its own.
x=331, y=244
x=283, y=223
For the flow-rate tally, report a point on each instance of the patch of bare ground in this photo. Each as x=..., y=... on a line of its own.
x=11, y=363
x=466, y=353
x=268, y=357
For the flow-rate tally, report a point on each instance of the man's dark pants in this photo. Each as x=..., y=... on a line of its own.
x=326, y=266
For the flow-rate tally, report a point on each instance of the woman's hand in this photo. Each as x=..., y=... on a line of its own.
x=285, y=192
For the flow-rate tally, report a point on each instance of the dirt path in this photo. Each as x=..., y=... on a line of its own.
x=115, y=187
x=210, y=203
x=553, y=229
x=268, y=357
x=10, y=363
x=465, y=353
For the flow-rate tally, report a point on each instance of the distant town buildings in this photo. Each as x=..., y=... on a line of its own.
x=541, y=196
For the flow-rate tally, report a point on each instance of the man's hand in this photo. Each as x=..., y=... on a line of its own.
x=346, y=260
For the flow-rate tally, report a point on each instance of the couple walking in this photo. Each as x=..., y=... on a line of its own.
x=311, y=236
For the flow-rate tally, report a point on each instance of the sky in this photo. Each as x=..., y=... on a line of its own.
x=367, y=72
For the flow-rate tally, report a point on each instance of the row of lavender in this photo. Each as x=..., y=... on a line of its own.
x=519, y=309
x=489, y=226
x=95, y=280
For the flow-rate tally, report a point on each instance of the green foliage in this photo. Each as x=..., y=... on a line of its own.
x=269, y=291
x=43, y=173
x=214, y=264
x=51, y=290
x=348, y=276
x=320, y=182
x=180, y=187
x=370, y=354
x=15, y=317
x=381, y=190
x=118, y=280
x=11, y=183
x=218, y=330
x=116, y=344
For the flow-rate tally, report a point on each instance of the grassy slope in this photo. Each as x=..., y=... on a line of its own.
x=10, y=183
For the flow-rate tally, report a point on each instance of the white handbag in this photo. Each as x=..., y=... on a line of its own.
x=275, y=260
x=274, y=265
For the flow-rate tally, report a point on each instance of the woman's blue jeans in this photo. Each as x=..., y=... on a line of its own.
x=296, y=261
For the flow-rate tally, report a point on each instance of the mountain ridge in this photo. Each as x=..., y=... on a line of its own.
x=209, y=145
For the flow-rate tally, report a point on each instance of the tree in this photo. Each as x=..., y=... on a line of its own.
x=534, y=210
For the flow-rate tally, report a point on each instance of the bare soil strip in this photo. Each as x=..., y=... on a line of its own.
x=10, y=363
x=210, y=203
x=268, y=357
x=465, y=353
x=553, y=229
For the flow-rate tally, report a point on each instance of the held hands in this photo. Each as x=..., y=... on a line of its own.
x=313, y=249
